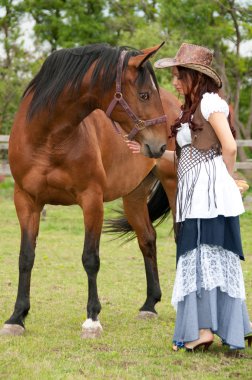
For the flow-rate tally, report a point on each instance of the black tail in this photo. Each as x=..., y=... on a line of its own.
x=158, y=207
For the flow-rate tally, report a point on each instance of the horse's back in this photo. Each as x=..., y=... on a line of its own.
x=92, y=157
x=171, y=106
x=166, y=170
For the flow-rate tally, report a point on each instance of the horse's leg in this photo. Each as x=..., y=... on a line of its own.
x=170, y=187
x=92, y=205
x=28, y=214
x=136, y=211
x=165, y=172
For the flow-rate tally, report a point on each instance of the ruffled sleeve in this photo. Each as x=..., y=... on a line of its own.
x=211, y=103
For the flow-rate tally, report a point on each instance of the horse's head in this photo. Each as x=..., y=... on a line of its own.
x=73, y=82
x=136, y=104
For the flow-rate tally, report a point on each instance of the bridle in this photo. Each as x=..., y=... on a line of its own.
x=118, y=98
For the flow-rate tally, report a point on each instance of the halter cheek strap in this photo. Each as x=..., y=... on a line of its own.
x=118, y=98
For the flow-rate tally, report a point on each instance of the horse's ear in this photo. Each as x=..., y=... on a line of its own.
x=147, y=54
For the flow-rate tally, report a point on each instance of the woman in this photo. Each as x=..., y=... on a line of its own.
x=208, y=293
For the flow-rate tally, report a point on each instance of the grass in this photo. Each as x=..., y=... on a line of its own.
x=129, y=348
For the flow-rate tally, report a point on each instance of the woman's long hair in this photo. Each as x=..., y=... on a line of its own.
x=197, y=85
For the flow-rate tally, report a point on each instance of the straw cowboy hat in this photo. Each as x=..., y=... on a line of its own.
x=194, y=57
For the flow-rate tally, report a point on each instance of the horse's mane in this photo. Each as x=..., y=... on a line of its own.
x=69, y=66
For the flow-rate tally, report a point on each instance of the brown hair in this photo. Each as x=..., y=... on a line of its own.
x=197, y=85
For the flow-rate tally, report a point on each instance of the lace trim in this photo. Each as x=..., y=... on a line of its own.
x=218, y=268
x=211, y=103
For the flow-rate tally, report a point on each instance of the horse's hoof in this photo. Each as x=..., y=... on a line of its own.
x=12, y=330
x=91, y=329
x=147, y=315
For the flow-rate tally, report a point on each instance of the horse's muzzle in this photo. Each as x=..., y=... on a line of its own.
x=154, y=153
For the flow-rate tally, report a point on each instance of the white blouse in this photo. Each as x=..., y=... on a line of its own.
x=214, y=192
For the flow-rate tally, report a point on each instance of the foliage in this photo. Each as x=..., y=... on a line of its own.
x=223, y=25
x=66, y=23
x=15, y=63
x=127, y=17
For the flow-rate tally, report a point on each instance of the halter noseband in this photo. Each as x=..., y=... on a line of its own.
x=118, y=98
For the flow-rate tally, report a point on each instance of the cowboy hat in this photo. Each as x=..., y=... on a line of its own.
x=194, y=57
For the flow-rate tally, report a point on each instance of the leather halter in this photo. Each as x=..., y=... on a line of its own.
x=118, y=98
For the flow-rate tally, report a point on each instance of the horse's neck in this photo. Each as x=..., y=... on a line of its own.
x=72, y=111
x=64, y=116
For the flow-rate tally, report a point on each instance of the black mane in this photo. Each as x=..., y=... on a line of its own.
x=69, y=66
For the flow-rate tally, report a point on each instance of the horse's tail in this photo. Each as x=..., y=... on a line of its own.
x=158, y=207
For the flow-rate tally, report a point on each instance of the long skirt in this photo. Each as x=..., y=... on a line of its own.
x=209, y=288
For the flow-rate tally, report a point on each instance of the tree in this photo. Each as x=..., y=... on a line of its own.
x=222, y=25
x=127, y=17
x=13, y=71
x=78, y=22
x=64, y=23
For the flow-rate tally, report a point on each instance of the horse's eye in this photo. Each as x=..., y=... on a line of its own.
x=144, y=95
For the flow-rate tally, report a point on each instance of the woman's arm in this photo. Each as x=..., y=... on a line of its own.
x=169, y=155
x=221, y=127
x=135, y=147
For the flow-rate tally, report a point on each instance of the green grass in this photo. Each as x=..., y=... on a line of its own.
x=129, y=348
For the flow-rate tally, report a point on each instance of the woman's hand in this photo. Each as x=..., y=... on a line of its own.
x=134, y=146
x=242, y=185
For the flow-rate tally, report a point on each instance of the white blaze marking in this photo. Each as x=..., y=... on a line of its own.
x=153, y=83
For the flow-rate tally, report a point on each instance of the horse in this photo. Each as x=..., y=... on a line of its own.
x=57, y=157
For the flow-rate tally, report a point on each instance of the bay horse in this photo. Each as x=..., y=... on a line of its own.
x=56, y=157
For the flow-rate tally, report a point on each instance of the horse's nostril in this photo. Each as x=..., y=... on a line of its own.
x=163, y=148
x=148, y=149
x=156, y=153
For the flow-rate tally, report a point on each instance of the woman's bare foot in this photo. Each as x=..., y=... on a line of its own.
x=205, y=339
